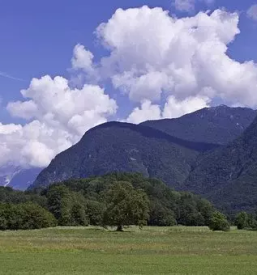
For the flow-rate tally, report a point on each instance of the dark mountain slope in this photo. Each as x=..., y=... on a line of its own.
x=123, y=147
x=218, y=125
x=228, y=176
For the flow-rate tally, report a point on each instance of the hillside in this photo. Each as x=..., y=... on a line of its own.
x=228, y=176
x=123, y=147
x=223, y=174
x=218, y=125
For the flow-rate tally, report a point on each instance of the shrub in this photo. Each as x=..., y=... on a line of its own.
x=219, y=222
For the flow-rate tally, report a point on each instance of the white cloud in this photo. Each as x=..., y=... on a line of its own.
x=252, y=12
x=82, y=59
x=174, y=108
x=146, y=112
x=59, y=117
x=154, y=56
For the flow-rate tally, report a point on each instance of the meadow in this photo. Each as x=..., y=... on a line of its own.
x=153, y=250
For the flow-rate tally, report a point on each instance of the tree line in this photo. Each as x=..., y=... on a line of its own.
x=118, y=199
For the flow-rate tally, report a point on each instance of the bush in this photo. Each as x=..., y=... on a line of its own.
x=219, y=222
x=242, y=220
x=25, y=216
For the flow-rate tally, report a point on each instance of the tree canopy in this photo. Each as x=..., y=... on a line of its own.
x=125, y=206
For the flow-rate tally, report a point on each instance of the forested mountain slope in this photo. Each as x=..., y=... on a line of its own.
x=228, y=176
x=124, y=147
x=219, y=125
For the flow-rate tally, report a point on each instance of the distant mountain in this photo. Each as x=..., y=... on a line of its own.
x=124, y=147
x=16, y=177
x=174, y=151
x=218, y=125
x=228, y=176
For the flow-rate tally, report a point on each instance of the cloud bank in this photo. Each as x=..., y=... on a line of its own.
x=58, y=117
x=166, y=66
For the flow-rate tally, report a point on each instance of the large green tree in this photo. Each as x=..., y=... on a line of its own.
x=126, y=206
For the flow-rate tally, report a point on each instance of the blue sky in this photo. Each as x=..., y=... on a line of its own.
x=37, y=37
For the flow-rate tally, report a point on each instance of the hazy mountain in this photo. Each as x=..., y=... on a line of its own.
x=219, y=125
x=16, y=177
x=228, y=176
x=124, y=147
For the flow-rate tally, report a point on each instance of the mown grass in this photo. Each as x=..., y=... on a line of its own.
x=176, y=250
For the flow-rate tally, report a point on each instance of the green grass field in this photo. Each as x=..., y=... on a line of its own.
x=176, y=250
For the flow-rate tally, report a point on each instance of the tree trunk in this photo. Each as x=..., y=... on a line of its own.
x=120, y=228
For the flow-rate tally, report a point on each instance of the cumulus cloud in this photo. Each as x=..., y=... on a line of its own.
x=153, y=55
x=252, y=12
x=146, y=112
x=173, y=109
x=58, y=116
x=82, y=59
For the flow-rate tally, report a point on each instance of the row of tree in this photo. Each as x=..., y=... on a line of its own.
x=112, y=200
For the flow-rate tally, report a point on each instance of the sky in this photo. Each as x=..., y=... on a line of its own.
x=67, y=66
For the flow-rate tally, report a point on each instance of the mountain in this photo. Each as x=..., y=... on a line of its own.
x=228, y=176
x=17, y=177
x=223, y=171
x=124, y=147
x=218, y=125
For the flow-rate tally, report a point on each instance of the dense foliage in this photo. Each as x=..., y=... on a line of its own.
x=246, y=221
x=166, y=206
x=24, y=216
x=116, y=199
x=219, y=222
x=125, y=206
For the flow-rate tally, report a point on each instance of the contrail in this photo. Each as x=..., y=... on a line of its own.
x=5, y=75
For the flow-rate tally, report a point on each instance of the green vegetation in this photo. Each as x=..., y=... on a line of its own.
x=25, y=216
x=219, y=222
x=166, y=206
x=116, y=199
x=153, y=250
x=125, y=206
x=246, y=221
